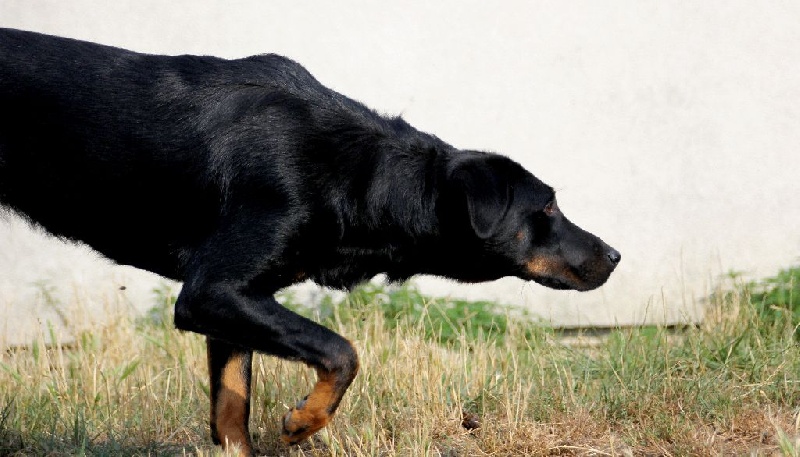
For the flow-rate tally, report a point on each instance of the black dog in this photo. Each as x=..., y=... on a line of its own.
x=241, y=177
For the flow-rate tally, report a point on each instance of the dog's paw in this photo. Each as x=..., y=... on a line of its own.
x=303, y=421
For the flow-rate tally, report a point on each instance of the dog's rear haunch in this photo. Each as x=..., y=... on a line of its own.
x=241, y=177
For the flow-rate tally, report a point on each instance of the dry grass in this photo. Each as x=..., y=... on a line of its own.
x=730, y=387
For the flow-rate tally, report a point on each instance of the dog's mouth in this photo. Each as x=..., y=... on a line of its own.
x=557, y=275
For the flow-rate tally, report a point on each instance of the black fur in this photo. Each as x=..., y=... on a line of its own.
x=241, y=177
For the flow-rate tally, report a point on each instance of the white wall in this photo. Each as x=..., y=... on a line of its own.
x=670, y=129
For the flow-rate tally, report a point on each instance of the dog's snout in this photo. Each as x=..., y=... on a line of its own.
x=614, y=256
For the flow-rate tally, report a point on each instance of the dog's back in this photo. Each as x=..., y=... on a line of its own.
x=136, y=155
x=128, y=152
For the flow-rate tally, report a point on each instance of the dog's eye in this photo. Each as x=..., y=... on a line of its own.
x=550, y=208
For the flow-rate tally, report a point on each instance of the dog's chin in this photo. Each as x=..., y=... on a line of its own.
x=563, y=284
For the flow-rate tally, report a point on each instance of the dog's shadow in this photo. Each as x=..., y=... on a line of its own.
x=16, y=443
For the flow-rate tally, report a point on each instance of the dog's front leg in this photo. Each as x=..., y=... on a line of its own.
x=230, y=368
x=228, y=296
x=315, y=411
x=233, y=320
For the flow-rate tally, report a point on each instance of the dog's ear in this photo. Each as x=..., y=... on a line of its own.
x=487, y=190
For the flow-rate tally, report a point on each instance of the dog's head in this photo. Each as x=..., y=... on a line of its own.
x=508, y=224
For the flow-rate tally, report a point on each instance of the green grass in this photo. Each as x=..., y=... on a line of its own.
x=777, y=299
x=730, y=386
x=444, y=321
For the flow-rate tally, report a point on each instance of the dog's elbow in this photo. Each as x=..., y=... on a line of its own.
x=184, y=319
x=191, y=309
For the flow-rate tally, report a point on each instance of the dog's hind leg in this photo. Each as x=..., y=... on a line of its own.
x=230, y=369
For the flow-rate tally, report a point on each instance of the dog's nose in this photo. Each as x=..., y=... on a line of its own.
x=614, y=256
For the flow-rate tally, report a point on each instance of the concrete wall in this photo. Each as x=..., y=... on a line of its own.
x=670, y=129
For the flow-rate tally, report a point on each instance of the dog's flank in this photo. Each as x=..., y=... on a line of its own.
x=240, y=177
